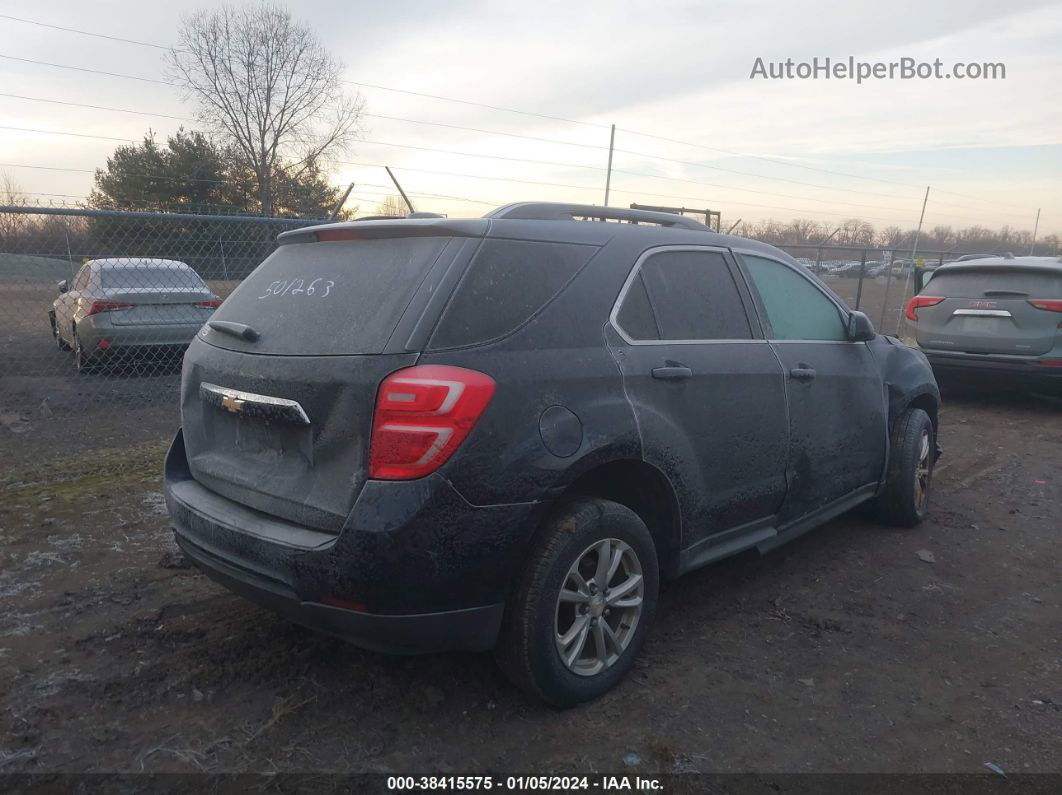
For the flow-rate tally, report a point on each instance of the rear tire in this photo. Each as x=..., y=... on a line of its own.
x=912, y=455
x=82, y=361
x=571, y=647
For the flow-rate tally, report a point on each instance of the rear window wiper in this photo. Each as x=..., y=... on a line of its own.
x=241, y=330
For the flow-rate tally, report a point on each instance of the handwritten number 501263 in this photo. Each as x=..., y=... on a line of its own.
x=318, y=287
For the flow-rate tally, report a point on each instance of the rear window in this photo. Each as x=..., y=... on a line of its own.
x=135, y=276
x=329, y=298
x=977, y=282
x=507, y=282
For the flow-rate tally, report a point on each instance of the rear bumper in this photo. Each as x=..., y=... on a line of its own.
x=1002, y=367
x=131, y=336
x=473, y=629
x=414, y=569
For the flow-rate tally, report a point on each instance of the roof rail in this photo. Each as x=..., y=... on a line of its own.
x=557, y=211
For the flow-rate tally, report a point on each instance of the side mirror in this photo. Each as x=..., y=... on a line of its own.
x=860, y=329
x=63, y=286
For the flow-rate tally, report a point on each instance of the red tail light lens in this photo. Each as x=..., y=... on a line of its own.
x=1051, y=362
x=422, y=415
x=916, y=303
x=332, y=235
x=208, y=304
x=106, y=306
x=1048, y=304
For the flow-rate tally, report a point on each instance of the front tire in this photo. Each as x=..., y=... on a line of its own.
x=912, y=454
x=59, y=342
x=583, y=605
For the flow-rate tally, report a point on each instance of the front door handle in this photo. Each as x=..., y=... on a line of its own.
x=802, y=373
x=672, y=373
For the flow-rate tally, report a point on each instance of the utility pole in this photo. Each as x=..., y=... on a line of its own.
x=608, y=174
x=733, y=226
x=907, y=277
x=1036, y=228
x=405, y=198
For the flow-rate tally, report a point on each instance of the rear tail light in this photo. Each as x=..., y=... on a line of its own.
x=422, y=415
x=208, y=304
x=333, y=235
x=106, y=306
x=1048, y=304
x=1051, y=362
x=916, y=303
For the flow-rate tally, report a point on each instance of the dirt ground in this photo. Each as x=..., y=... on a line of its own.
x=857, y=648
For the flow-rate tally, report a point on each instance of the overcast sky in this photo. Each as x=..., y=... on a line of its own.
x=991, y=150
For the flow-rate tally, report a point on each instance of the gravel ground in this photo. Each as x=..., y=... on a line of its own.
x=856, y=649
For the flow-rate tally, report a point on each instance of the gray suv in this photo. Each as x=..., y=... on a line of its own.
x=994, y=316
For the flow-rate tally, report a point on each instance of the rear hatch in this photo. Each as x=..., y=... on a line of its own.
x=990, y=309
x=279, y=419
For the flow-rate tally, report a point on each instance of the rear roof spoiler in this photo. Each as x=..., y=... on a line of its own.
x=383, y=228
x=556, y=211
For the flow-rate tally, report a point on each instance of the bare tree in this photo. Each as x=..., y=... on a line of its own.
x=392, y=205
x=11, y=195
x=266, y=85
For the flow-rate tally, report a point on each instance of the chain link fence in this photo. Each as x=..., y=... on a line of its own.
x=877, y=281
x=97, y=306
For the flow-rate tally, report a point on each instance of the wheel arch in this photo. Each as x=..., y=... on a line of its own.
x=929, y=403
x=642, y=488
x=926, y=399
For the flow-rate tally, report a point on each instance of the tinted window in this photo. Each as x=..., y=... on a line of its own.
x=691, y=295
x=506, y=283
x=329, y=298
x=636, y=316
x=979, y=282
x=133, y=276
x=796, y=308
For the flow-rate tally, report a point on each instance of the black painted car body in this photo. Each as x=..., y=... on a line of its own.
x=719, y=444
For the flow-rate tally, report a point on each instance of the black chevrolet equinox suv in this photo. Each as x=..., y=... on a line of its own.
x=504, y=432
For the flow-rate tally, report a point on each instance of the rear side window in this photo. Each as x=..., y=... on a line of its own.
x=796, y=308
x=507, y=282
x=329, y=298
x=684, y=295
x=1013, y=281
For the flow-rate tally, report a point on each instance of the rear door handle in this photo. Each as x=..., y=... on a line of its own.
x=802, y=373
x=672, y=373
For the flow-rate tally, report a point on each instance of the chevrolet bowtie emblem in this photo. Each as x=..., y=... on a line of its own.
x=233, y=404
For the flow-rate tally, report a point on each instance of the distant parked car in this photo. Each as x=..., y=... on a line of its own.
x=848, y=270
x=875, y=269
x=992, y=316
x=118, y=305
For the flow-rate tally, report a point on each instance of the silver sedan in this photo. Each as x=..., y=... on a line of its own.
x=116, y=305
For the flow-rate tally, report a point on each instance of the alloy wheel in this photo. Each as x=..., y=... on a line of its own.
x=923, y=472
x=599, y=606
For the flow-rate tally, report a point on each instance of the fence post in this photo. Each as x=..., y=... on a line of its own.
x=224, y=266
x=69, y=256
x=862, y=272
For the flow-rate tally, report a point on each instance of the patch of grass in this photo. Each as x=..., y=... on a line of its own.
x=45, y=269
x=66, y=481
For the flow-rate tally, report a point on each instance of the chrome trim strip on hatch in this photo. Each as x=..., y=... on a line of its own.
x=983, y=312
x=248, y=404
